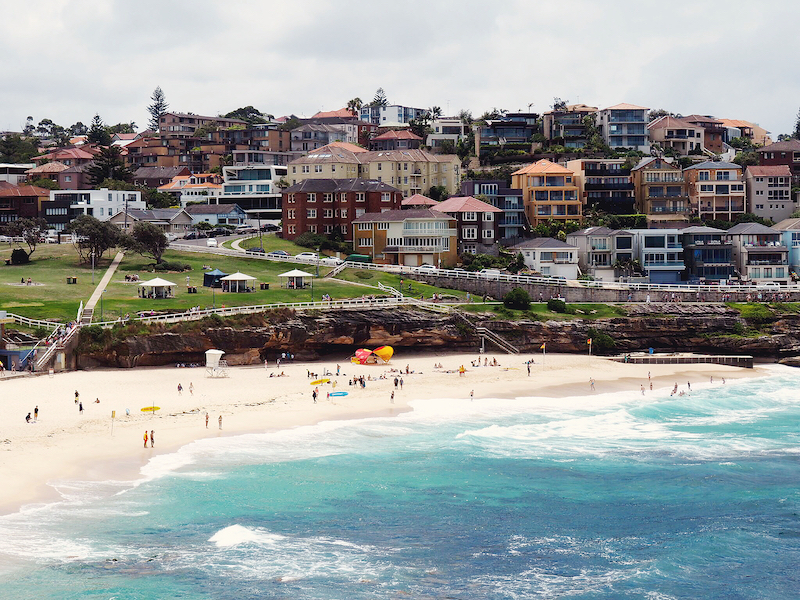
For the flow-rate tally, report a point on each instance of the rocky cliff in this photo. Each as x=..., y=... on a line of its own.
x=700, y=328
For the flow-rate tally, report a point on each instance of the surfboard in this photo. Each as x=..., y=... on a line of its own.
x=151, y=408
x=319, y=381
x=338, y=393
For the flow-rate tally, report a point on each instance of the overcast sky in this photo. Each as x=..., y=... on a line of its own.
x=67, y=60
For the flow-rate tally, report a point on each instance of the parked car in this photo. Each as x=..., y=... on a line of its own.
x=425, y=267
x=772, y=286
x=278, y=253
x=269, y=227
x=255, y=251
x=307, y=255
x=211, y=243
x=195, y=235
x=490, y=273
x=330, y=261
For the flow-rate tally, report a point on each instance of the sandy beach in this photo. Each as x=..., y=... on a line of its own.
x=64, y=443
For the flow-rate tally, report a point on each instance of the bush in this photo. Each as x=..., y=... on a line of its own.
x=518, y=299
x=601, y=341
x=172, y=266
x=556, y=305
x=19, y=257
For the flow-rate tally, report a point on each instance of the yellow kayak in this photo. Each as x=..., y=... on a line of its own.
x=151, y=408
x=319, y=381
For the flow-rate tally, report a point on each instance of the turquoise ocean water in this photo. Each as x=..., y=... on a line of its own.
x=609, y=496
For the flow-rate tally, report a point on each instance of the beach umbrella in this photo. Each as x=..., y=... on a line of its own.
x=385, y=353
x=361, y=356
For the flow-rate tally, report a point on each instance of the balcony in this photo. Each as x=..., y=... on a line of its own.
x=608, y=186
x=765, y=262
x=605, y=171
x=671, y=264
x=678, y=136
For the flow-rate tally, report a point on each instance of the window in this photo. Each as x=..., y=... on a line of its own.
x=382, y=226
x=327, y=213
x=327, y=197
x=292, y=229
x=469, y=233
x=488, y=217
x=343, y=229
x=306, y=169
x=312, y=197
x=364, y=226
x=488, y=234
x=290, y=214
x=317, y=168
x=359, y=212
x=706, y=188
x=386, y=197
x=68, y=178
x=312, y=229
x=360, y=197
x=470, y=216
x=327, y=229
x=365, y=241
x=703, y=176
x=311, y=213
x=343, y=213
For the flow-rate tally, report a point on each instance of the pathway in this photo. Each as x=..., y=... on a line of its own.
x=88, y=310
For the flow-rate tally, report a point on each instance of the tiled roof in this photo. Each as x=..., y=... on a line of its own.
x=393, y=134
x=787, y=225
x=792, y=145
x=155, y=214
x=51, y=167
x=342, y=112
x=419, y=200
x=191, y=116
x=624, y=106
x=24, y=191
x=459, y=204
x=773, y=171
x=668, y=121
x=160, y=172
x=83, y=153
x=543, y=243
x=340, y=185
x=81, y=168
x=703, y=119
x=647, y=160
x=212, y=209
x=750, y=229
x=407, y=154
x=543, y=166
x=402, y=215
x=738, y=123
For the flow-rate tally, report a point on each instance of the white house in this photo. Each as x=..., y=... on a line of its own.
x=549, y=257
x=101, y=204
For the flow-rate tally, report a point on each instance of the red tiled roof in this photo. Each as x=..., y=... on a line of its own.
x=86, y=153
x=24, y=190
x=772, y=171
x=543, y=166
x=465, y=204
x=51, y=167
x=397, y=135
x=418, y=200
x=342, y=112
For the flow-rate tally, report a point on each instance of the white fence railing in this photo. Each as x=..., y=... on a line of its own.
x=34, y=322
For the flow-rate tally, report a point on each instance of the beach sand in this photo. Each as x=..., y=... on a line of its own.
x=64, y=444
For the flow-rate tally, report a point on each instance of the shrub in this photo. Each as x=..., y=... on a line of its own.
x=556, y=305
x=601, y=341
x=518, y=299
x=172, y=266
x=19, y=257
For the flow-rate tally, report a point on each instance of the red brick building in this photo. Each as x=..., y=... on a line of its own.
x=782, y=153
x=326, y=206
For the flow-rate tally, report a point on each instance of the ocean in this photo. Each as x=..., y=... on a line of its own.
x=604, y=496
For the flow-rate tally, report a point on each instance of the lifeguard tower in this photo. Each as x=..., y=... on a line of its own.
x=215, y=366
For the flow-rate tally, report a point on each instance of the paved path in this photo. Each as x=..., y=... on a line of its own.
x=103, y=283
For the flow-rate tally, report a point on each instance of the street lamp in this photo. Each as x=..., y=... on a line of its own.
x=92, y=267
x=101, y=305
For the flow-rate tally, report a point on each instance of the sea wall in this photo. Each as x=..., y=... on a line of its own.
x=664, y=327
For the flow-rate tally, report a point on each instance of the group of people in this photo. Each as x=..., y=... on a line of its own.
x=486, y=362
x=35, y=415
x=220, y=421
x=152, y=438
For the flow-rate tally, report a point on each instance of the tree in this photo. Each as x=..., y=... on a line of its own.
x=657, y=113
x=438, y=193
x=205, y=130
x=30, y=230
x=559, y=104
x=121, y=128
x=421, y=125
x=252, y=115
x=97, y=132
x=78, y=129
x=156, y=199
x=465, y=116
x=380, y=98
x=92, y=236
x=157, y=109
x=518, y=264
x=354, y=105
x=29, y=128
x=746, y=158
x=44, y=182
x=146, y=239
x=434, y=112
x=292, y=123
x=16, y=149
x=518, y=299
x=108, y=164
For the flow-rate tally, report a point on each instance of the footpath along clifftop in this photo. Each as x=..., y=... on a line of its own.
x=711, y=328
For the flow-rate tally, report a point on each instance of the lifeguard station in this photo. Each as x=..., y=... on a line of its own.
x=215, y=366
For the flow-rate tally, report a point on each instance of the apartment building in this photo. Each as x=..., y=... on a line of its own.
x=660, y=252
x=512, y=131
x=407, y=237
x=769, y=192
x=567, y=125
x=183, y=125
x=759, y=253
x=329, y=206
x=790, y=237
x=396, y=140
x=676, y=134
x=595, y=251
x=549, y=191
x=716, y=190
x=446, y=129
x=391, y=114
x=21, y=202
x=203, y=187
x=476, y=221
x=101, y=204
x=312, y=136
x=334, y=161
x=708, y=254
x=605, y=183
x=713, y=131
x=625, y=126
x=549, y=257
x=511, y=222
x=254, y=188
x=782, y=153
x=660, y=191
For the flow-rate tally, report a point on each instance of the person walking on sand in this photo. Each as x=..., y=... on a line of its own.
x=36, y=413
x=28, y=418
x=591, y=383
x=80, y=407
x=642, y=386
x=145, y=438
x=206, y=420
x=191, y=389
x=220, y=421
x=314, y=395
x=392, y=397
x=401, y=383
x=152, y=437
x=471, y=395
x=529, y=368
x=180, y=390
x=76, y=396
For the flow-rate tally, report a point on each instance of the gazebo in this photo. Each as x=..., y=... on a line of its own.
x=156, y=288
x=295, y=279
x=237, y=282
x=211, y=278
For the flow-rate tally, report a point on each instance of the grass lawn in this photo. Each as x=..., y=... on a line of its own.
x=540, y=312
x=273, y=242
x=53, y=298
x=391, y=279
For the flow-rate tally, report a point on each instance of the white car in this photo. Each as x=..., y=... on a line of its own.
x=330, y=261
x=425, y=268
x=307, y=255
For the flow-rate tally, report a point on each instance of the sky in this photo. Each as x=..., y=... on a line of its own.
x=68, y=60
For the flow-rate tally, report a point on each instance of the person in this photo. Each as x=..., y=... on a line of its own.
x=220, y=421
x=651, y=386
x=591, y=383
x=145, y=438
x=401, y=383
x=28, y=418
x=338, y=370
x=314, y=395
x=642, y=386
x=471, y=395
x=206, y=420
x=76, y=396
x=392, y=397
x=36, y=413
x=191, y=389
x=80, y=407
x=396, y=382
x=180, y=390
x=152, y=437
x=529, y=368
x=723, y=381
x=689, y=384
